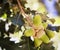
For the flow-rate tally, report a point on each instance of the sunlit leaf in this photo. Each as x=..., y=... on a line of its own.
x=42, y=9
x=57, y=21
x=4, y=16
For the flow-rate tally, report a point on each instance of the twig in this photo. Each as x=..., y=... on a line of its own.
x=24, y=14
x=30, y=22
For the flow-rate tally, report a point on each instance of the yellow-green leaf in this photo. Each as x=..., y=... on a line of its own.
x=4, y=16
x=42, y=9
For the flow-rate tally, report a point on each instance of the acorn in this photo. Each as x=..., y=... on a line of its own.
x=45, y=25
x=50, y=33
x=37, y=42
x=29, y=32
x=45, y=38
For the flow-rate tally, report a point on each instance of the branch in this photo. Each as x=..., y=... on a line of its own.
x=24, y=14
x=30, y=22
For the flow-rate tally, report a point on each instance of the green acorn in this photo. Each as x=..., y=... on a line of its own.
x=37, y=20
x=50, y=33
x=29, y=32
x=45, y=38
x=37, y=42
x=45, y=25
